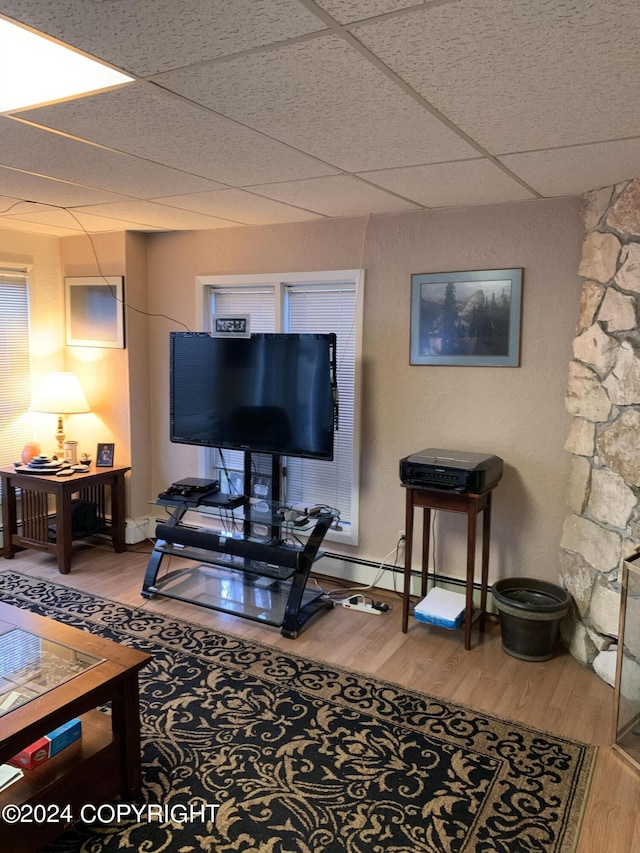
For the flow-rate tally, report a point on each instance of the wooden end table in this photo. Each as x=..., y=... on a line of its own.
x=104, y=763
x=471, y=504
x=103, y=487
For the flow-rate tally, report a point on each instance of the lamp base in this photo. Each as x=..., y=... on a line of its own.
x=60, y=437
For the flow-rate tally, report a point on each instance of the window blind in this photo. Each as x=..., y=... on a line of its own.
x=323, y=309
x=15, y=366
x=313, y=303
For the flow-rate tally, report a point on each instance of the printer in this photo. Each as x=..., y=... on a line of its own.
x=451, y=470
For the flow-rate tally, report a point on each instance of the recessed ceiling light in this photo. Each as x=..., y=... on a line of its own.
x=35, y=70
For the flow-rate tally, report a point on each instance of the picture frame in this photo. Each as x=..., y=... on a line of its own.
x=94, y=311
x=104, y=455
x=468, y=318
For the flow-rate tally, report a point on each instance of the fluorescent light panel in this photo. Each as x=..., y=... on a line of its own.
x=35, y=70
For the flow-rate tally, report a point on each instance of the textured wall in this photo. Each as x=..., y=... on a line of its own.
x=517, y=413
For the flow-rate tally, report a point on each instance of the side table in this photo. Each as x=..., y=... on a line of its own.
x=103, y=488
x=472, y=505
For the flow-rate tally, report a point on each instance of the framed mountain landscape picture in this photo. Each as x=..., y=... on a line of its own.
x=467, y=318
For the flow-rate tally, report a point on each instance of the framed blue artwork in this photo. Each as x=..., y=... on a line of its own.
x=94, y=311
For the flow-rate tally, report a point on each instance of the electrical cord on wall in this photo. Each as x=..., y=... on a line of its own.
x=346, y=592
x=101, y=274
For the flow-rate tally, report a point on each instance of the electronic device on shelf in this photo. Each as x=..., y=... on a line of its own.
x=270, y=393
x=451, y=470
x=190, y=488
x=223, y=501
x=300, y=514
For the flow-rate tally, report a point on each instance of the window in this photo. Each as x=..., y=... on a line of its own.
x=302, y=303
x=15, y=366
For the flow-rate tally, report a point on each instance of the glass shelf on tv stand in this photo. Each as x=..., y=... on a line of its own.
x=261, y=598
x=237, y=510
x=249, y=562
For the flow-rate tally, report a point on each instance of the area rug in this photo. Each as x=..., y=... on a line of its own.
x=298, y=756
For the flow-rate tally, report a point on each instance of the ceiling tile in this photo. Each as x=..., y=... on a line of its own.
x=240, y=206
x=48, y=191
x=149, y=36
x=567, y=171
x=158, y=215
x=519, y=76
x=296, y=94
x=341, y=195
x=452, y=184
x=34, y=150
x=142, y=120
x=78, y=222
x=345, y=11
x=325, y=98
x=10, y=224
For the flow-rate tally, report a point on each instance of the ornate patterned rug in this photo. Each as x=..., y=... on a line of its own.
x=297, y=756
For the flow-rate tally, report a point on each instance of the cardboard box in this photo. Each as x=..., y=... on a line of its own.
x=48, y=746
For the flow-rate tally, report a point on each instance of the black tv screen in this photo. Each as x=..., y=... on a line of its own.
x=270, y=393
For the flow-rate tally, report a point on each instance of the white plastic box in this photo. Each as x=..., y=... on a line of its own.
x=441, y=607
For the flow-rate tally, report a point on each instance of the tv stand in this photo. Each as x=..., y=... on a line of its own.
x=250, y=564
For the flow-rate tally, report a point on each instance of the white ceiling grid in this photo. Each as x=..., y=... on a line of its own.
x=257, y=112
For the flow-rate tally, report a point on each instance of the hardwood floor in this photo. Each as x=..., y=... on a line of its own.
x=558, y=695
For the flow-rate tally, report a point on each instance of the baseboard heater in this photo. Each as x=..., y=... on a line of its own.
x=339, y=565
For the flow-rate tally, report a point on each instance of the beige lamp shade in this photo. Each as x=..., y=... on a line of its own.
x=60, y=394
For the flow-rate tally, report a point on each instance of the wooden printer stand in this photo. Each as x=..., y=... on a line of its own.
x=471, y=504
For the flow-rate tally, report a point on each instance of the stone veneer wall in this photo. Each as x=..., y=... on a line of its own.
x=603, y=395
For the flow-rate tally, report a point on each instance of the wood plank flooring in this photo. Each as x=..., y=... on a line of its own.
x=558, y=695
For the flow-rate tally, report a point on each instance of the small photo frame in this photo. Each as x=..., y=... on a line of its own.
x=94, y=311
x=466, y=318
x=104, y=455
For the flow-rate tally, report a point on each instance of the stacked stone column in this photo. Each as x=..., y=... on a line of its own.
x=603, y=395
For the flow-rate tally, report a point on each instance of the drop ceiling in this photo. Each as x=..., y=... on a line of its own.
x=255, y=112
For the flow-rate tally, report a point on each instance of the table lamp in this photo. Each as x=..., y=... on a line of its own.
x=60, y=394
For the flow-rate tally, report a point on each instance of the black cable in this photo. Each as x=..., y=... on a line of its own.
x=97, y=260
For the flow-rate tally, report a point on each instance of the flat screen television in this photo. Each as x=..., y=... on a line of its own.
x=268, y=393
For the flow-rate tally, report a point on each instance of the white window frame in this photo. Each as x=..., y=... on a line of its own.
x=349, y=535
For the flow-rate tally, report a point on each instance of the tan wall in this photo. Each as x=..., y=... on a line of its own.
x=516, y=413
x=115, y=380
x=102, y=372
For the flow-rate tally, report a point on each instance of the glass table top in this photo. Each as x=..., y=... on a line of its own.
x=31, y=665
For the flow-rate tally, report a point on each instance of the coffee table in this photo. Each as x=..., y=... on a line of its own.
x=51, y=674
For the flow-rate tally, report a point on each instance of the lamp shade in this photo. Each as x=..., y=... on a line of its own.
x=60, y=394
